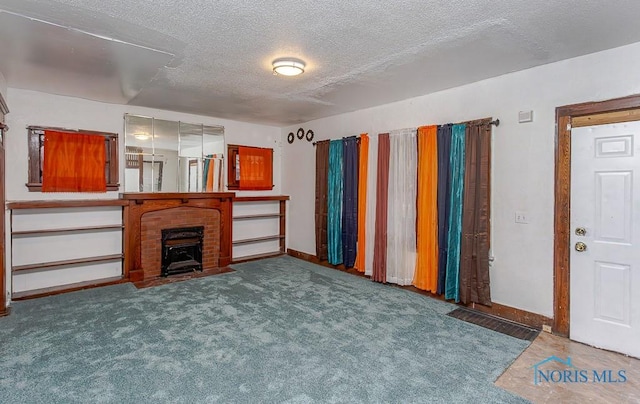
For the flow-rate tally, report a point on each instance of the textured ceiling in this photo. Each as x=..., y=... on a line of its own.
x=213, y=57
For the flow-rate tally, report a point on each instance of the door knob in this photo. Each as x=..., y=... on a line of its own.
x=580, y=246
x=581, y=231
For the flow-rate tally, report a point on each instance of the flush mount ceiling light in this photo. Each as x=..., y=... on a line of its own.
x=141, y=136
x=288, y=66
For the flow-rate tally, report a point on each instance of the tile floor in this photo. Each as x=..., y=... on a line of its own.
x=519, y=377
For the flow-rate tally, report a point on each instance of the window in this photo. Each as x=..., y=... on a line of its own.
x=36, y=155
x=250, y=168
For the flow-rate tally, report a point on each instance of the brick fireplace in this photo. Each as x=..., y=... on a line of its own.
x=147, y=215
x=153, y=223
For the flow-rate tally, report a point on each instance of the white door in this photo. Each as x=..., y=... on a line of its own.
x=605, y=202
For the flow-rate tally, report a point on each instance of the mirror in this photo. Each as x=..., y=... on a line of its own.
x=171, y=156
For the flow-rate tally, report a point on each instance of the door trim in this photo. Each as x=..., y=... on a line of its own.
x=562, y=208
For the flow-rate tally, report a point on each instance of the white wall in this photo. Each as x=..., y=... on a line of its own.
x=523, y=158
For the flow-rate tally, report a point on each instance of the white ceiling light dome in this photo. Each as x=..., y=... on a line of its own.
x=288, y=66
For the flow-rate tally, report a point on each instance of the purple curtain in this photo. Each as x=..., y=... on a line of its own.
x=444, y=195
x=350, y=201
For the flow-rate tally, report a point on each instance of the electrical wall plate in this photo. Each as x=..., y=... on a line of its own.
x=525, y=116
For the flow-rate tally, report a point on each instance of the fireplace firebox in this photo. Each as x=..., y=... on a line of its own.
x=181, y=250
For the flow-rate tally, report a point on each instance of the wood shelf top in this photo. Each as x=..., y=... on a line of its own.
x=261, y=198
x=257, y=239
x=56, y=264
x=79, y=203
x=54, y=290
x=261, y=216
x=67, y=230
x=176, y=195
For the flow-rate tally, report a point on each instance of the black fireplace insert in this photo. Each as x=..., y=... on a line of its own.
x=181, y=250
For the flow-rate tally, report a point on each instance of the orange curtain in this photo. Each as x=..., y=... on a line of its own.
x=210, y=173
x=426, y=275
x=73, y=162
x=363, y=163
x=256, y=168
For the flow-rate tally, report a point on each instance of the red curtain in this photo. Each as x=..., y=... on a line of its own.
x=256, y=168
x=73, y=162
x=382, y=204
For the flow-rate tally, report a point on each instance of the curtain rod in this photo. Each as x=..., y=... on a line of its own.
x=495, y=122
x=42, y=129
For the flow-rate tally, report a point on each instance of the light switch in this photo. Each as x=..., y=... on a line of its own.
x=521, y=217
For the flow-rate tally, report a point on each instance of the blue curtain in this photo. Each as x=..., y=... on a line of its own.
x=444, y=196
x=205, y=172
x=334, y=225
x=452, y=282
x=350, y=201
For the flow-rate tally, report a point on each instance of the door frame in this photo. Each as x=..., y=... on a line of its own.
x=562, y=208
x=3, y=274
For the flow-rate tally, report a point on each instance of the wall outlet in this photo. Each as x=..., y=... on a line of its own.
x=521, y=217
x=546, y=328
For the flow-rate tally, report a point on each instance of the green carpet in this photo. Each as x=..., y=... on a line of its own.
x=276, y=330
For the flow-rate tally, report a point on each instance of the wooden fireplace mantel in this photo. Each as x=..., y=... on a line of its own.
x=141, y=203
x=140, y=197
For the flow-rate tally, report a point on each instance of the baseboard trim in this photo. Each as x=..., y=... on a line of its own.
x=73, y=287
x=514, y=314
x=314, y=259
x=248, y=258
x=509, y=313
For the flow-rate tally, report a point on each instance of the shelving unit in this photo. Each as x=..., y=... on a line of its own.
x=31, y=294
x=258, y=239
x=259, y=221
x=248, y=217
x=65, y=263
x=47, y=257
x=66, y=230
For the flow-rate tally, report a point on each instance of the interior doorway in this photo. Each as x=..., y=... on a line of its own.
x=567, y=118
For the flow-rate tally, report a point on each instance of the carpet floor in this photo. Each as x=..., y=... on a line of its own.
x=275, y=330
